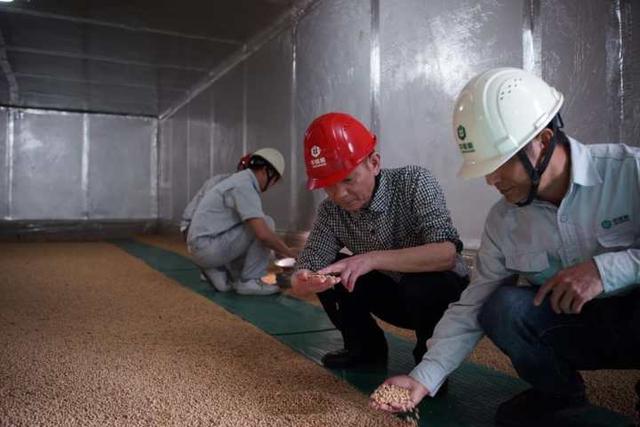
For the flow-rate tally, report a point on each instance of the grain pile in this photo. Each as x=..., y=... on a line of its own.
x=90, y=336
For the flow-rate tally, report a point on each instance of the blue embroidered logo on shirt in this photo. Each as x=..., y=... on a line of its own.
x=619, y=220
x=607, y=224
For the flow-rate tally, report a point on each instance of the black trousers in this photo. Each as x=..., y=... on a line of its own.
x=417, y=302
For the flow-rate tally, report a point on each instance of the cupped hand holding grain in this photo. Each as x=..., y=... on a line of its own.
x=306, y=281
x=391, y=398
x=351, y=268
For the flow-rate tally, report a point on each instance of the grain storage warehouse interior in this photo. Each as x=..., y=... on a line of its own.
x=114, y=114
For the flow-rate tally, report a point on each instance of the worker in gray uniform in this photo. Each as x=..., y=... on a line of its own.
x=188, y=212
x=230, y=237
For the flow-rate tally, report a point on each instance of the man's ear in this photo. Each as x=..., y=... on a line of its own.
x=544, y=137
x=374, y=162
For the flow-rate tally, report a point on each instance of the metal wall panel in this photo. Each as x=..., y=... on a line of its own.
x=228, y=116
x=179, y=185
x=199, y=142
x=4, y=162
x=576, y=36
x=230, y=19
x=97, y=96
x=5, y=91
x=428, y=50
x=631, y=71
x=47, y=180
x=167, y=98
x=67, y=64
x=165, y=187
x=75, y=83
x=269, y=117
x=155, y=48
x=120, y=155
x=333, y=47
x=208, y=93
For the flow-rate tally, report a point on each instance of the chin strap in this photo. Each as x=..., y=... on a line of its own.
x=271, y=176
x=536, y=173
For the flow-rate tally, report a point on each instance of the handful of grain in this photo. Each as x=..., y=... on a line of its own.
x=323, y=276
x=391, y=394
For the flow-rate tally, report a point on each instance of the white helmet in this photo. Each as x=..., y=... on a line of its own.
x=497, y=113
x=273, y=157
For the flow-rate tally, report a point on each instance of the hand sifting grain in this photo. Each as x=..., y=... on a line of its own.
x=389, y=394
x=323, y=276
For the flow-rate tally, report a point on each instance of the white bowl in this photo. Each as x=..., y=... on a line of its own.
x=285, y=262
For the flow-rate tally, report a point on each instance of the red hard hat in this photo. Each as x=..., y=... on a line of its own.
x=334, y=145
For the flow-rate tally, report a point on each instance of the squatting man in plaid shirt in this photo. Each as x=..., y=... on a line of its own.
x=405, y=266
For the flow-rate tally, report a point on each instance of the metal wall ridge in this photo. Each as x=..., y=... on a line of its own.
x=284, y=22
x=101, y=58
x=8, y=71
x=55, y=111
x=90, y=21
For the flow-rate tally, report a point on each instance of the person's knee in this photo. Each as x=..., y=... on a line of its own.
x=204, y=257
x=504, y=310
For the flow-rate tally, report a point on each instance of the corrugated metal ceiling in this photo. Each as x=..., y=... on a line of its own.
x=128, y=57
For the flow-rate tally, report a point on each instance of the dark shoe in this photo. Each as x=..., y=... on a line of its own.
x=534, y=408
x=345, y=359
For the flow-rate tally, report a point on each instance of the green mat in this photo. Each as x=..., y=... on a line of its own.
x=474, y=391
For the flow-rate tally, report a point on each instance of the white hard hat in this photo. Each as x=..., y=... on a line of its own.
x=273, y=157
x=497, y=113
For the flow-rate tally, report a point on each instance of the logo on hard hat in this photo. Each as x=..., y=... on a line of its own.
x=317, y=162
x=462, y=133
x=467, y=147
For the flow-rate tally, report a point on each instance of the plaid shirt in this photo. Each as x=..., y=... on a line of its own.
x=407, y=209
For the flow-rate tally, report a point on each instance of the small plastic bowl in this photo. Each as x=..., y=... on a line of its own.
x=285, y=263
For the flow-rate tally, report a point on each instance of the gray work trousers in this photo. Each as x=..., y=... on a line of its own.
x=237, y=251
